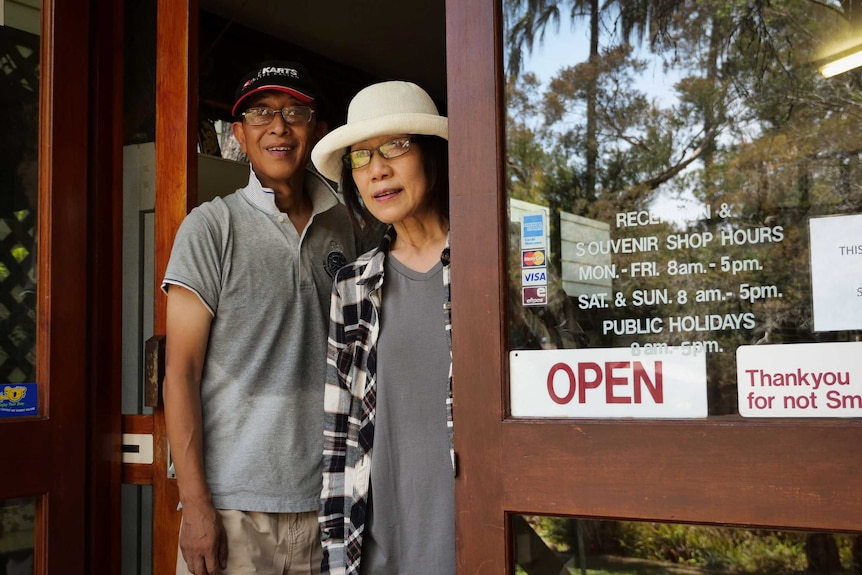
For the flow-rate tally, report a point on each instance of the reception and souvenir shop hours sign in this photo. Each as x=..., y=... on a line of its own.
x=647, y=379
x=726, y=265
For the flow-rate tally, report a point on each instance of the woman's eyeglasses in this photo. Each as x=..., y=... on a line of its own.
x=391, y=149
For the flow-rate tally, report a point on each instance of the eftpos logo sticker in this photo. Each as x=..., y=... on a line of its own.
x=533, y=258
x=18, y=399
x=536, y=295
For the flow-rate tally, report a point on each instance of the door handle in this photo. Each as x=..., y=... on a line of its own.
x=154, y=377
x=154, y=370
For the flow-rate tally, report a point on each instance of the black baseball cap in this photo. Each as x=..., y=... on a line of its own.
x=289, y=77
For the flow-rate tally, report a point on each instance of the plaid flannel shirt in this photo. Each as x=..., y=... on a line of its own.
x=350, y=403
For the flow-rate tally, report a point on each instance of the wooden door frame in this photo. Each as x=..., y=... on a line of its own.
x=477, y=214
x=104, y=303
x=176, y=194
x=721, y=470
x=61, y=368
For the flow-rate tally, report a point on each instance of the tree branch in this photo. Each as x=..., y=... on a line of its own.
x=666, y=175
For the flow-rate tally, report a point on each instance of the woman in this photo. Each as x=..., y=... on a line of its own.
x=388, y=484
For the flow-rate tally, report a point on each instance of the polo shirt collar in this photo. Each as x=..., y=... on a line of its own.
x=319, y=191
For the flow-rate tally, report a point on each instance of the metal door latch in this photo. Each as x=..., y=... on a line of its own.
x=138, y=448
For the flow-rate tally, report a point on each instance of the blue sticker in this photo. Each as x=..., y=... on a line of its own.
x=18, y=399
x=533, y=231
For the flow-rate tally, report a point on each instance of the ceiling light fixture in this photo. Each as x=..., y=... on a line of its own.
x=841, y=62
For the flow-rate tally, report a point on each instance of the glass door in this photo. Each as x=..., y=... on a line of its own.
x=19, y=42
x=588, y=292
x=43, y=276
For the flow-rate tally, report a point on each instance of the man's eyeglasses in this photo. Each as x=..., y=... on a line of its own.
x=391, y=149
x=262, y=116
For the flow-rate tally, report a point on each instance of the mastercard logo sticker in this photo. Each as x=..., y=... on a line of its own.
x=533, y=258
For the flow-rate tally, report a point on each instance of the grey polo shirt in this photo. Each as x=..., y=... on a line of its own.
x=268, y=288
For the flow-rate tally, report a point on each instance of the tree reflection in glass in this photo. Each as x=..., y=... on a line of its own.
x=697, y=139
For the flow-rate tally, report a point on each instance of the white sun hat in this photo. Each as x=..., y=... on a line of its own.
x=393, y=107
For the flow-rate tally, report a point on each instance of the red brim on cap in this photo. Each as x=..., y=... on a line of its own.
x=304, y=98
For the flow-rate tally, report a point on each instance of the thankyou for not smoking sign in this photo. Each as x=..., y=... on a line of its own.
x=800, y=380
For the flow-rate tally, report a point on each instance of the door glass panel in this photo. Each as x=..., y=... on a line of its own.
x=139, y=182
x=683, y=189
x=555, y=545
x=17, y=523
x=19, y=107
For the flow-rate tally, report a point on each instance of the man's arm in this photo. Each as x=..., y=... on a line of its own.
x=202, y=538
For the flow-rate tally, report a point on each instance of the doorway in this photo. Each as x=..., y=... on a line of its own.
x=228, y=39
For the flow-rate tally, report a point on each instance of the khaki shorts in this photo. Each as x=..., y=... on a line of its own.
x=269, y=543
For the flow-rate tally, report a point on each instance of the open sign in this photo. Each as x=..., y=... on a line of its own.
x=607, y=383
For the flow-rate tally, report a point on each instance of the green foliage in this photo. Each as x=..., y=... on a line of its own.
x=706, y=548
x=739, y=551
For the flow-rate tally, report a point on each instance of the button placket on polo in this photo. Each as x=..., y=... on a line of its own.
x=282, y=220
x=305, y=275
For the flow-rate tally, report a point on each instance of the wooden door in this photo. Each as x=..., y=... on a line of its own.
x=62, y=448
x=654, y=471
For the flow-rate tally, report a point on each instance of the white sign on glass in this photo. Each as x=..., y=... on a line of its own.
x=836, y=272
x=800, y=380
x=608, y=383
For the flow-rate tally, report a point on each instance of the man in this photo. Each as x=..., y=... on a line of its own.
x=248, y=286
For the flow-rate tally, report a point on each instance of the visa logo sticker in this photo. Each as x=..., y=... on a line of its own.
x=534, y=277
x=533, y=258
x=18, y=399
